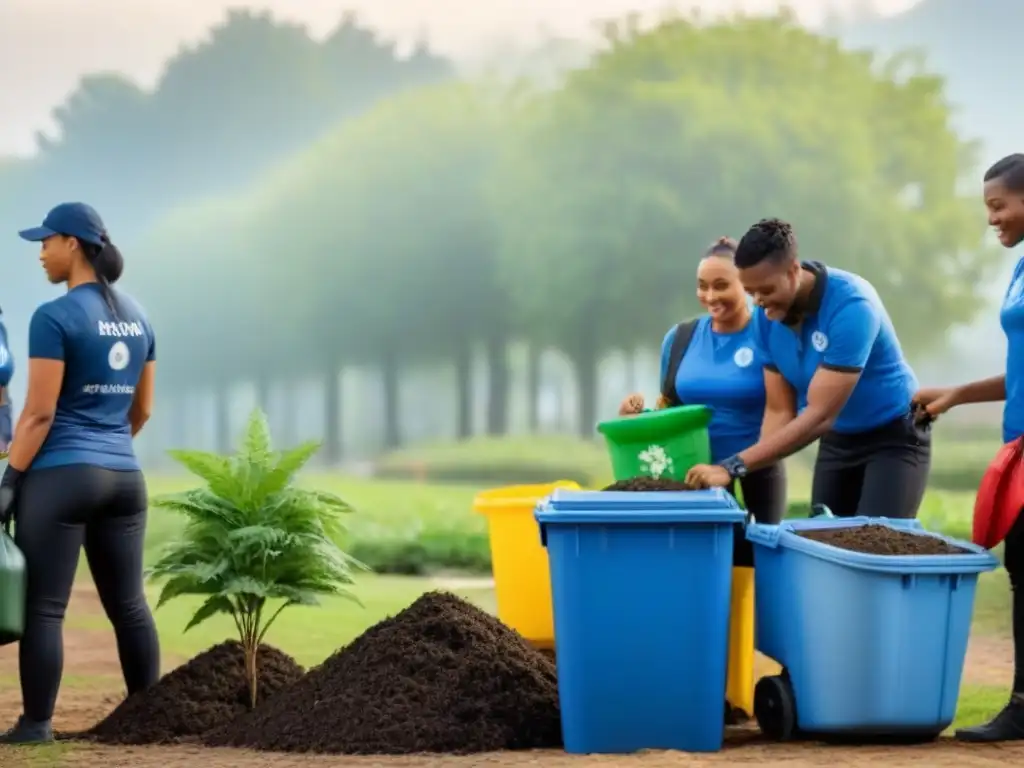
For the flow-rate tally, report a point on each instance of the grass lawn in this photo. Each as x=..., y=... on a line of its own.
x=312, y=634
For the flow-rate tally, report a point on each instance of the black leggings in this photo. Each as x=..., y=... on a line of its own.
x=880, y=473
x=764, y=495
x=1013, y=560
x=58, y=511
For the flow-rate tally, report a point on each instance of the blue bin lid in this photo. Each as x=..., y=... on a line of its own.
x=786, y=535
x=626, y=507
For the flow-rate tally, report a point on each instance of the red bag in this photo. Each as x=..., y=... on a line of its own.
x=1000, y=495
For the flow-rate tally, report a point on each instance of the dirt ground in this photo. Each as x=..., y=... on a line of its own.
x=92, y=655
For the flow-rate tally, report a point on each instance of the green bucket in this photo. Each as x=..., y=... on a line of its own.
x=659, y=444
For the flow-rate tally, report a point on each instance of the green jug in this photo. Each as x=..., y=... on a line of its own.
x=13, y=581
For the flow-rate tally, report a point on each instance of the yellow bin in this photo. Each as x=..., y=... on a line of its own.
x=522, y=579
x=739, y=690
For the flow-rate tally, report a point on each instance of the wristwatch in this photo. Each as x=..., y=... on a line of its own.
x=735, y=467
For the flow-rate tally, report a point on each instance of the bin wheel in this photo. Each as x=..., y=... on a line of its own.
x=775, y=708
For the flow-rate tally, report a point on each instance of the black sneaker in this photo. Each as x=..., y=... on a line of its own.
x=1008, y=725
x=28, y=731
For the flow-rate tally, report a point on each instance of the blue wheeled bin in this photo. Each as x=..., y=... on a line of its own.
x=872, y=646
x=641, y=586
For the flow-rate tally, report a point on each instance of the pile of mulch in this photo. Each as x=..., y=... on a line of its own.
x=648, y=484
x=441, y=676
x=196, y=697
x=873, y=539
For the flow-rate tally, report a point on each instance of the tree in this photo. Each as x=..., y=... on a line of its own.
x=253, y=537
x=393, y=237
x=680, y=134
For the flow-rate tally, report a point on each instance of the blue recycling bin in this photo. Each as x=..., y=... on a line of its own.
x=870, y=645
x=641, y=586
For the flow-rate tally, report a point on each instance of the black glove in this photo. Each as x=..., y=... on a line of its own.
x=9, y=484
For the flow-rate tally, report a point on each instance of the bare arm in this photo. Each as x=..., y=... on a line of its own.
x=985, y=391
x=826, y=396
x=780, y=403
x=142, y=405
x=44, y=382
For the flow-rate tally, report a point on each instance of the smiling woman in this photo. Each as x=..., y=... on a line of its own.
x=833, y=370
x=713, y=361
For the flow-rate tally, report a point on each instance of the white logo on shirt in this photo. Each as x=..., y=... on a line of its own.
x=119, y=356
x=744, y=356
x=819, y=341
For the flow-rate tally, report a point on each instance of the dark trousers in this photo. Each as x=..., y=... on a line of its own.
x=879, y=473
x=764, y=495
x=59, y=511
x=1013, y=560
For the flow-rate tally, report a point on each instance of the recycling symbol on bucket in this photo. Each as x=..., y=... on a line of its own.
x=655, y=461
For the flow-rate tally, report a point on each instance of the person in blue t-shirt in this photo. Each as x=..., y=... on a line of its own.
x=1004, y=199
x=72, y=477
x=714, y=361
x=6, y=373
x=834, y=370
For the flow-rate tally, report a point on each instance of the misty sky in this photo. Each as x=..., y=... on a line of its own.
x=46, y=45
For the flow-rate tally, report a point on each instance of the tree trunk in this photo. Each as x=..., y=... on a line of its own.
x=497, y=386
x=222, y=415
x=389, y=374
x=263, y=394
x=533, y=355
x=250, y=673
x=586, y=360
x=464, y=391
x=332, y=417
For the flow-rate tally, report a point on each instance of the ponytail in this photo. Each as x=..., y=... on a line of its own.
x=108, y=264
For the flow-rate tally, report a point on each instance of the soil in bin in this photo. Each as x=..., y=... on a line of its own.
x=196, y=697
x=882, y=540
x=648, y=484
x=441, y=676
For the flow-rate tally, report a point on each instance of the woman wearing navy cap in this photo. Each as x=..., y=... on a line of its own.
x=1004, y=199
x=72, y=479
x=833, y=362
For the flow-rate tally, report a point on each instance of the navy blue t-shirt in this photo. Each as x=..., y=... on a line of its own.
x=103, y=358
x=845, y=328
x=1011, y=316
x=725, y=372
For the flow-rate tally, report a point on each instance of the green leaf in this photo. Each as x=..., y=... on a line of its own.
x=213, y=605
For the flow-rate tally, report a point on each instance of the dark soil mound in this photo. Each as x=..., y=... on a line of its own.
x=648, y=484
x=881, y=540
x=441, y=676
x=196, y=697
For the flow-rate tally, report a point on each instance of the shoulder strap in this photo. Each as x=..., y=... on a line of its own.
x=680, y=342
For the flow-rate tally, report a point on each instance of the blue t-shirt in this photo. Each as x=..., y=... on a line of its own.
x=724, y=372
x=103, y=358
x=1011, y=316
x=6, y=372
x=845, y=327
x=6, y=358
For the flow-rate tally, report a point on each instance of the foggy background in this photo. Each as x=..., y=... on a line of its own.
x=406, y=221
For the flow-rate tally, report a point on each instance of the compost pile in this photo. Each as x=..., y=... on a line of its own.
x=648, y=484
x=196, y=697
x=882, y=540
x=441, y=676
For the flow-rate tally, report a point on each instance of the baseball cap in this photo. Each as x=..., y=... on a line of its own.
x=74, y=219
